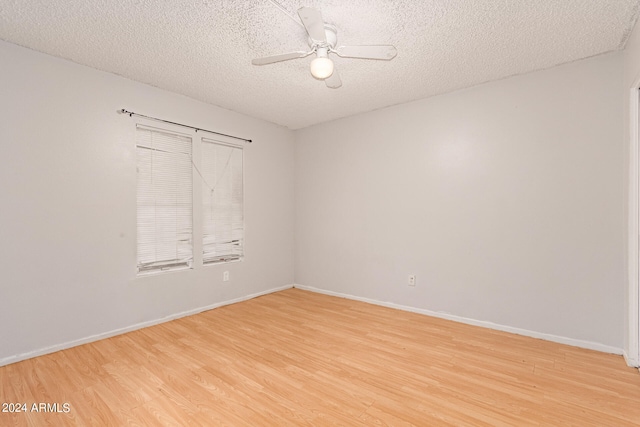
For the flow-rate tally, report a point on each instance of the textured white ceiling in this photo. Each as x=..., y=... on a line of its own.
x=203, y=48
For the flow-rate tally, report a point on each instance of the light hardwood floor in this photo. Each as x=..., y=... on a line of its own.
x=297, y=358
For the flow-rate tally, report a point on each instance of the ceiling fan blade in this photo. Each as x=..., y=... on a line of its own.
x=333, y=81
x=312, y=21
x=385, y=52
x=282, y=57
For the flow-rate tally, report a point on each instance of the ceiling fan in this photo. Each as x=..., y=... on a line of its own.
x=322, y=41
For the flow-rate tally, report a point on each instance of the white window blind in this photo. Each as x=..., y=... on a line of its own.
x=164, y=200
x=222, y=202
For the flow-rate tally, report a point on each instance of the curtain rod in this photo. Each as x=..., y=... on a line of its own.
x=131, y=113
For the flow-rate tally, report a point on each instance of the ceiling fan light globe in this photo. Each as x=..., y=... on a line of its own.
x=321, y=68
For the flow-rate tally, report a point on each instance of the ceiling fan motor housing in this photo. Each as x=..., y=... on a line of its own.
x=331, y=33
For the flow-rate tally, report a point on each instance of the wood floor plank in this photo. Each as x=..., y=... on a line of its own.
x=296, y=358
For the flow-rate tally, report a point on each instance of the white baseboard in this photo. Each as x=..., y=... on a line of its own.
x=549, y=337
x=109, y=334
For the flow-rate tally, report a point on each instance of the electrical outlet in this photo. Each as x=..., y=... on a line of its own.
x=412, y=280
x=225, y=276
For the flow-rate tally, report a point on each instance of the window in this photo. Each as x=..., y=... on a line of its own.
x=222, y=202
x=166, y=203
x=164, y=200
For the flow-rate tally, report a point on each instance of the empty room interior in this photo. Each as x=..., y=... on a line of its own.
x=276, y=212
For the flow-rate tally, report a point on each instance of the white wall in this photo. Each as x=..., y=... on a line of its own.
x=630, y=84
x=506, y=200
x=68, y=221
